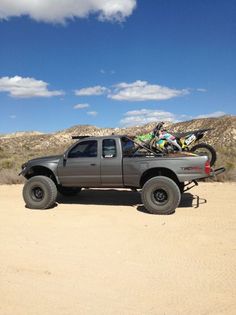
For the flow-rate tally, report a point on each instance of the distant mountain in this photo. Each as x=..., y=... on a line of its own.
x=19, y=147
x=21, y=134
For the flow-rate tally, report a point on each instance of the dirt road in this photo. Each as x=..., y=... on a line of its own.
x=100, y=253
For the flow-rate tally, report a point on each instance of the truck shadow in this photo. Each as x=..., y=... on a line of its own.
x=103, y=197
x=193, y=201
x=122, y=198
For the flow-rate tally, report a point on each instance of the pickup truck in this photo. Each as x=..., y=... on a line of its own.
x=117, y=162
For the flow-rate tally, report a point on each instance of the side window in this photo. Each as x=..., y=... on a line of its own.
x=84, y=149
x=128, y=147
x=109, y=148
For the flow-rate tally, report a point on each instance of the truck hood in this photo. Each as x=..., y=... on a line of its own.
x=50, y=162
x=45, y=159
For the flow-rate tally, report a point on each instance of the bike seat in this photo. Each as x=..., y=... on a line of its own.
x=185, y=134
x=182, y=134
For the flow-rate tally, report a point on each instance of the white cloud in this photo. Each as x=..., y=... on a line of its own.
x=133, y=92
x=26, y=87
x=94, y=90
x=81, y=106
x=111, y=72
x=59, y=11
x=12, y=116
x=144, y=116
x=143, y=91
x=93, y=113
x=215, y=114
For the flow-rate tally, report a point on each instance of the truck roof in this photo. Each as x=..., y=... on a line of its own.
x=100, y=137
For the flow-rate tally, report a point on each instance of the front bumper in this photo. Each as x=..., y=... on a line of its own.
x=23, y=172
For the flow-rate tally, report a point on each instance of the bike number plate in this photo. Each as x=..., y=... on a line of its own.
x=190, y=139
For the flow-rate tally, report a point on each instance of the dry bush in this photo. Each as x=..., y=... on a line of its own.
x=10, y=177
x=227, y=176
x=7, y=163
x=226, y=157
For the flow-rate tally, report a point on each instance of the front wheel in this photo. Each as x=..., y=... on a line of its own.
x=160, y=195
x=207, y=150
x=39, y=192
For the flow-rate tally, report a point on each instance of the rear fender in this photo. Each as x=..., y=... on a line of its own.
x=153, y=172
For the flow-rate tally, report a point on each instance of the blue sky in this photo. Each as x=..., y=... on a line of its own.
x=113, y=63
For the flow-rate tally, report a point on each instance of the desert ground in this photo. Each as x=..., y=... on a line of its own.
x=101, y=253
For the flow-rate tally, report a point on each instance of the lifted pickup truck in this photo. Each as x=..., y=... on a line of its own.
x=113, y=161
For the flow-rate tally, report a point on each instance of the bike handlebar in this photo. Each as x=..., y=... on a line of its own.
x=158, y=127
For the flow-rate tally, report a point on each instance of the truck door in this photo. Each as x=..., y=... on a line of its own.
x=111, y=163
x=82, y=166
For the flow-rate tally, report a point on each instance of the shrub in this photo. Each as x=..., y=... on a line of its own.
x=7, y=164
x=10, y=177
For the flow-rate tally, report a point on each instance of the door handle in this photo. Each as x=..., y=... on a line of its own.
x=93, y=164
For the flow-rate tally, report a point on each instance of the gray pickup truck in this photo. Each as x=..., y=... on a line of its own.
x=113, y=161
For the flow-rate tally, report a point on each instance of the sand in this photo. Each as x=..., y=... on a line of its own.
x=100, y=253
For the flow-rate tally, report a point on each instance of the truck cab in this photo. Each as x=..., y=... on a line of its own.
x=93, y=162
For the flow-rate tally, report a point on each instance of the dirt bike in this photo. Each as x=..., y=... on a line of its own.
x=163, y=141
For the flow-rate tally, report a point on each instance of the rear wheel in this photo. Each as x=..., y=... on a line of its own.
x=161, y=195
x=207, y=150
x=39, y=192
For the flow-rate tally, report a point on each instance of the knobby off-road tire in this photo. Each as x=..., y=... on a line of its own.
x=205, y=149
x=39, y=192
x=69, y=191
x=160, y=195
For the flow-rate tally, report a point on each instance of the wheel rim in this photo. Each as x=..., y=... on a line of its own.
x=37, y=193
x=160, y=196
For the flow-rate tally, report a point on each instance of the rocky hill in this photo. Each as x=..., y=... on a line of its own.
x=19, y=147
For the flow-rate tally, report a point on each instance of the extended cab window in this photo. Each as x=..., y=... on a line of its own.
x=109, y=148
x=128, y=147
x=84, y=149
